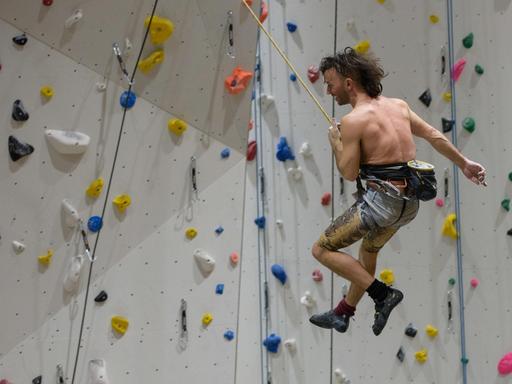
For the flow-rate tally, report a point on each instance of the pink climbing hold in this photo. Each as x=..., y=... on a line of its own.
x=5, y=381
x=313, y=73
x=234, y=257
x=439, y=202
x=505, y=364
x=317, y=275
x=474, y=282
x=326, y=198
x=458, y=67
x=251, y=150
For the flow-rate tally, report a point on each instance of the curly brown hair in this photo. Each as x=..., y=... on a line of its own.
x=364, y=69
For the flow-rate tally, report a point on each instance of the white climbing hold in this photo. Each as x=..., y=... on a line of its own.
x=305, y=149
x=18, y=247
x=291, y=344
x=279, y=223
x=204, y=260
x=98, y=372
x=74, y=18
x=341, y=377
x=351, y=24
x=128, y=46
x=266, y=101
x=296, y=173
x=73, y=273
x=68, y=142
x=101, y=86
x=71, y=216
x=307, y=300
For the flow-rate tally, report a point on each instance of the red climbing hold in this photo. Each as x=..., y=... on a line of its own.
x=326, y=198
x=264, y=11
x=251, y=150
x=48, y=2
x=237, y=81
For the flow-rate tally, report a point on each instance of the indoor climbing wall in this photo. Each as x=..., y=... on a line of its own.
x=149, y=177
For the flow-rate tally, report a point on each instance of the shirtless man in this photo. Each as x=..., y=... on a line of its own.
x=378, y=132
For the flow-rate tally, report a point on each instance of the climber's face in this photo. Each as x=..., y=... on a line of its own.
x=338, y=86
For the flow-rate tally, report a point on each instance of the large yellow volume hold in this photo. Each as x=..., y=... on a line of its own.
x=95, y=188
x=149, y=62
x=46, y=258
x=160, y=30
x=120, y=324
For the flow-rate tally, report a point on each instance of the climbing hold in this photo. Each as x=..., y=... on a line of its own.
x=505, y=364
x=474, y=282
x=225, y=153
x=510, y=176
x=94, y=223
x=295, y=173
x=46, y=91
x=447, y=96
x=351, y=24
x=279, y=223
x=362, y=47
x=67, y=142
x=272, y=343
x=426, y=97
x=5, y=381
x=387, y=276
x=509, y=232
x=250, y=124
x=98, y=372
x=260, y=222
x=46, y=258
x=293, y=77
x=101, y=297
x=410, y=330
x=205, y=262
x=431, y=330
x=464, y=360
x=73, y=273
x=505, y=204
x=229, y=335
x=94, y=189
x=18, y=246
x=458, y=67
x=307, y=300
x=292, y=27
x=447, y=124
x=400, y=354
x=266, y=101
x=421, y=356
x=177, y=126
x=313, y=73
x=468, y=124
x=326, y=198
x=291, y=344
x=479, y=69
x=127, y=99
x=317, y=275
x=467, y=41
x=47, y=2
x=264, y=11
x=219, y=289
x=251, y=150
x=449, y=228
x=20, y=40
x=452, y=281
x=191, y=232
x=207, y=319
x=234, y=258
x=219, y=230
x=279, y=273
x=151, y=61
x=284, y=152
x=100, y=86
x=160, y=30
x=37, y=380
x=18, y=111
x=434, y=19
x=18, y=149
x=71, y=216
x=381, y=1
x=305, y=149
x=120, y=324
x=439, y=202
x=341, y=377
x=122, y=202
x=74, y=18
x=237, y=81
x=249, y=2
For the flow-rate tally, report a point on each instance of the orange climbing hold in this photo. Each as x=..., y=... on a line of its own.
x=237, y=81
x=264, y=11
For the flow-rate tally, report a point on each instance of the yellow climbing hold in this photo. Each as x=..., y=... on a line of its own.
x=46, y=258
x=362, y=47
x=431, y=330
x=207, y=319
x=381, y=1
x=387, y=276
x=149, y=62
x=177, y=126
x=47, y=91
x=160, y=29
x=122, y=202
x=447, y=96
x=421, y=356
x=120, y=324
x=95, y=188
x=191, y=232
x=449, y=228
x=434, y=19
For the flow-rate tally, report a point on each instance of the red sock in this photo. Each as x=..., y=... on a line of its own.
x=344, y=308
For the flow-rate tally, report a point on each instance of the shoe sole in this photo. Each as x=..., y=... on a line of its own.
x=340, y=329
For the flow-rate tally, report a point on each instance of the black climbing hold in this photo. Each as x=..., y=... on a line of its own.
x=37, y=380
x=400, y=354
x=20, y=39
x=102, y=296
x=447, y=124
x=18, y=111
x=509, y=232
x=17, y=149
x=411, y=331
x=426, y=98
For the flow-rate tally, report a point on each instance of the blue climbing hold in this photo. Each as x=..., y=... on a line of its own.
x=253, y=95
x=272, y=343
x=260, y=222
x=292, y=27
x=219, y=230
x=219, y=289
x=279, y=272
x=128, y=99
x=225, y=153
x=293, y=77
x=284, y=152
x=94, y=223
x=229, y=335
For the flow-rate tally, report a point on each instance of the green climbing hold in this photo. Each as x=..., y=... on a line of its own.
x=464, y=360
x=467, y=42
x=479, y=69
x=510, y=176
x=451, y=281
x=469, y=124
x=505, y=203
